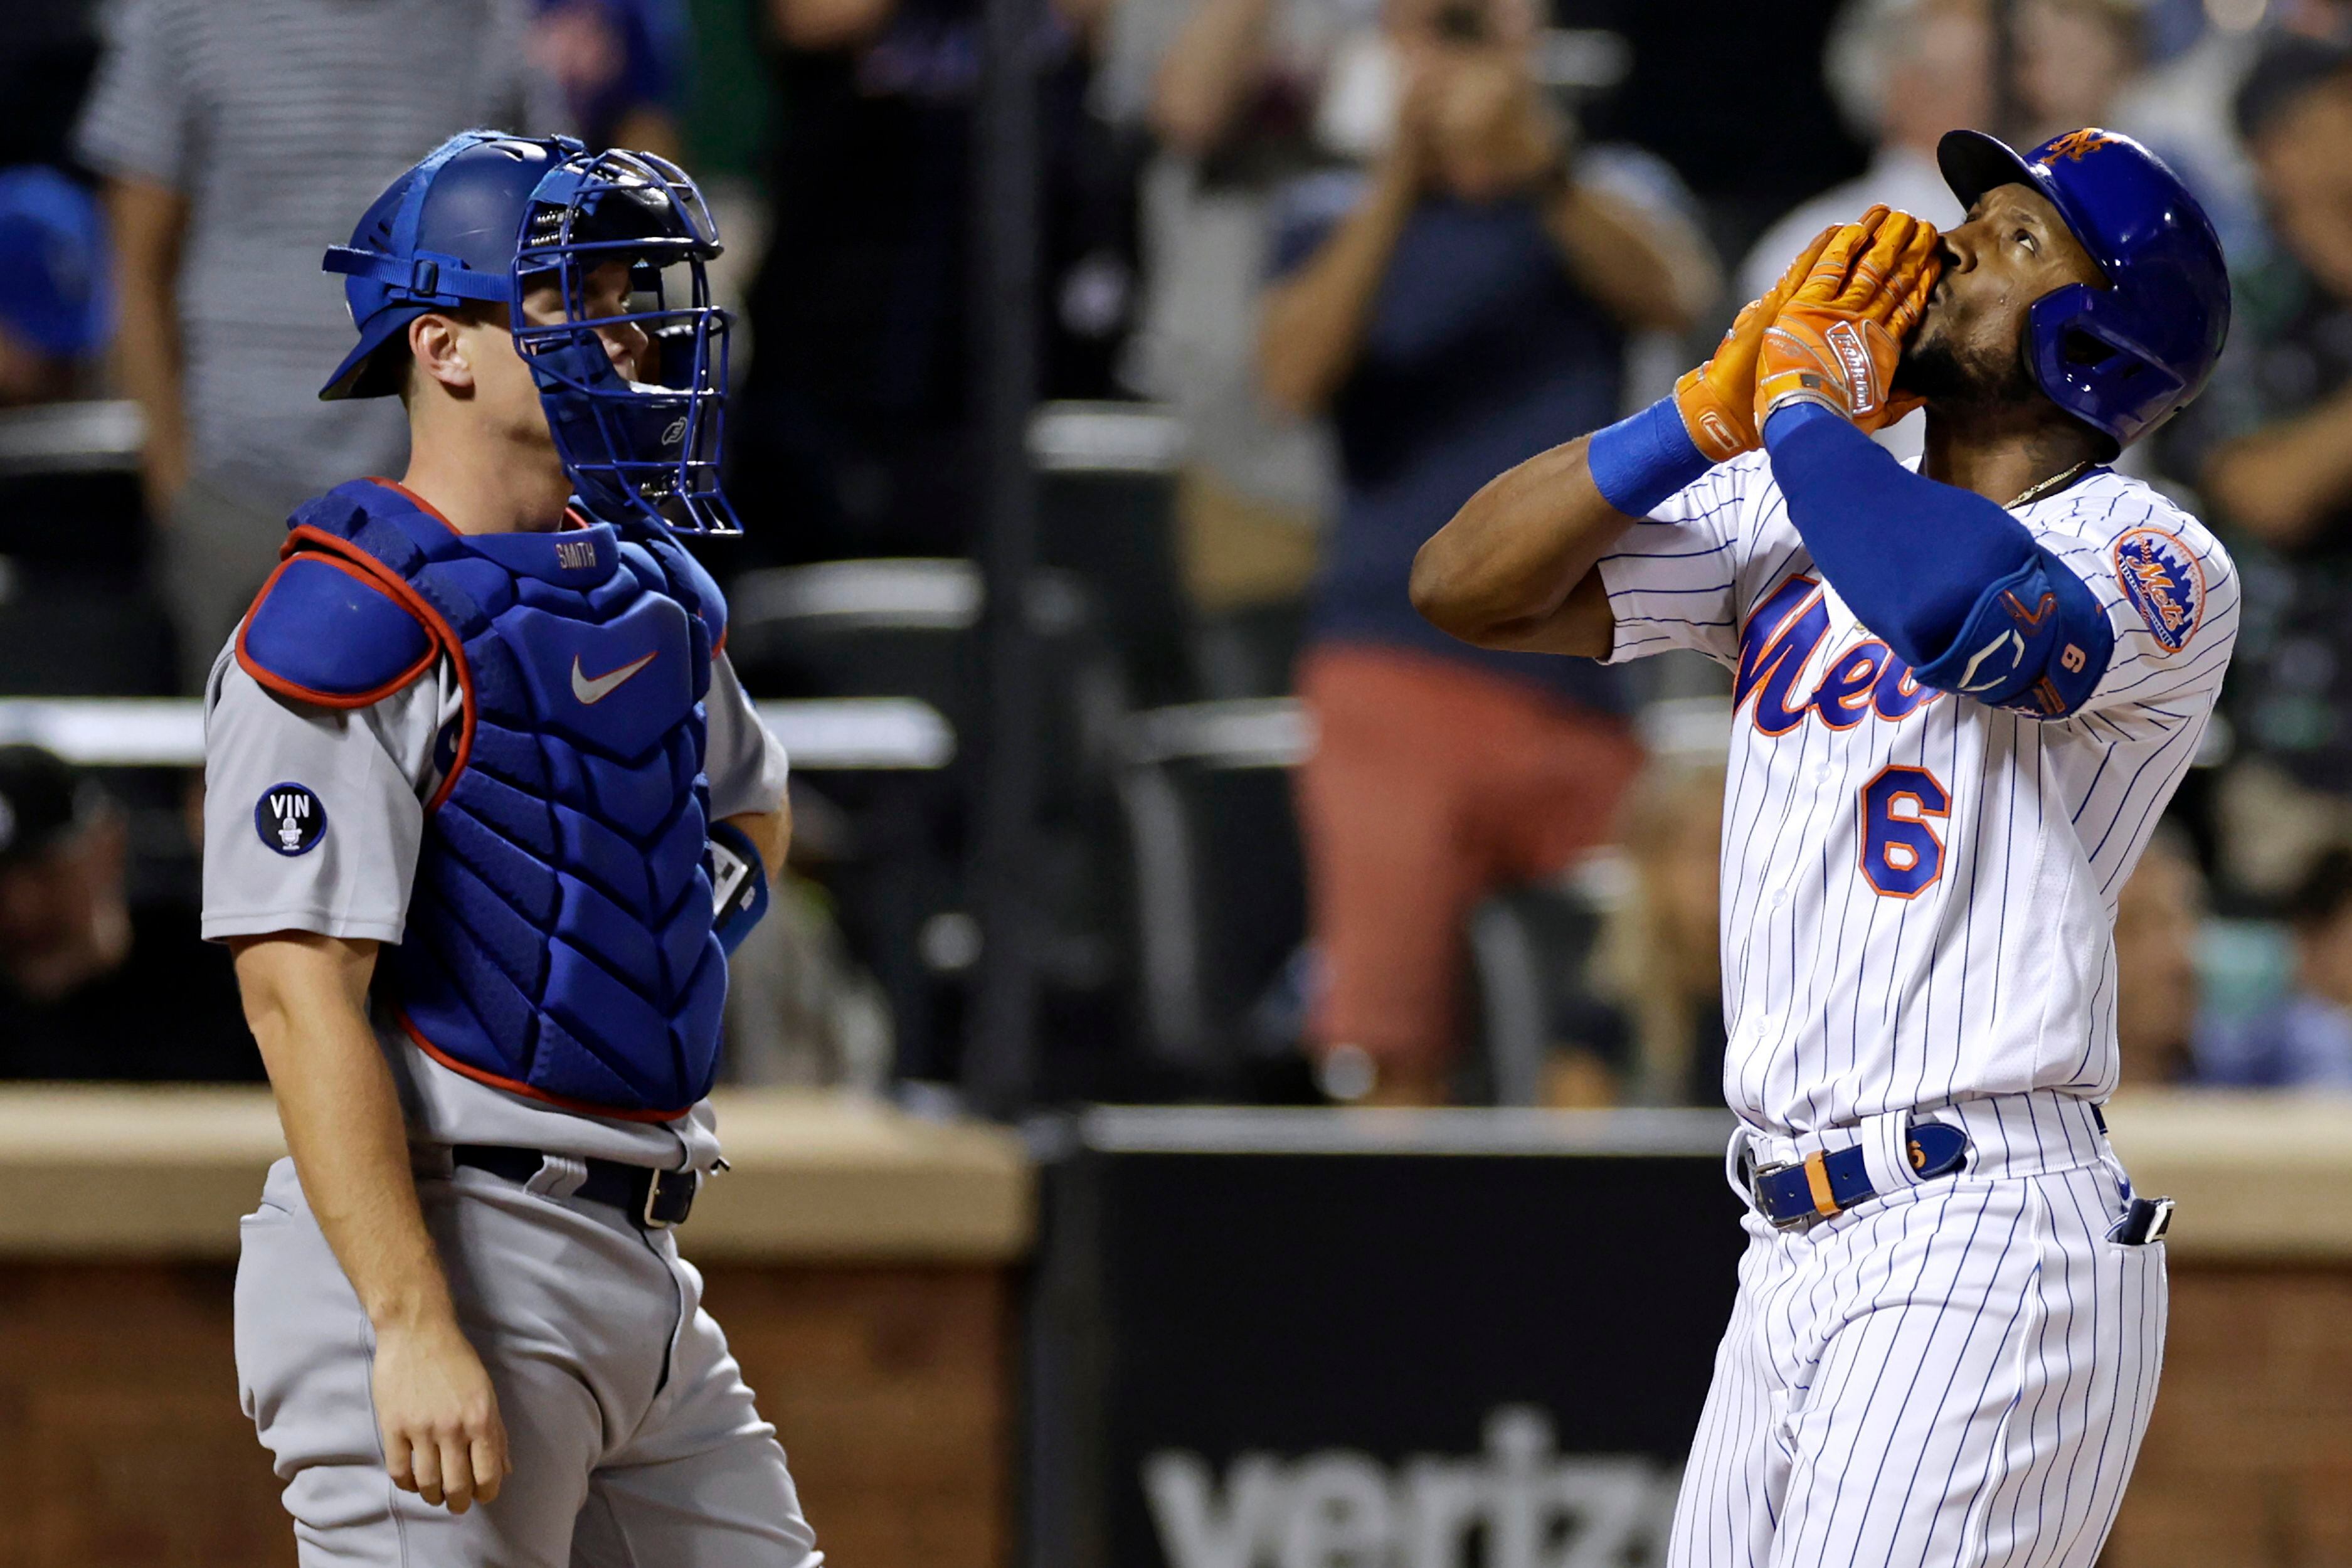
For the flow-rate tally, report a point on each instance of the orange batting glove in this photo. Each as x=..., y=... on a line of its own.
x=1718, y=400
x=1837, y=339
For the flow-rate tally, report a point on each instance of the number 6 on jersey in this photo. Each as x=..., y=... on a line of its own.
x=1902, y=854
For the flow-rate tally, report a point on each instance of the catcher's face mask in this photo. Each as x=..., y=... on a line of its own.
x=644, y=448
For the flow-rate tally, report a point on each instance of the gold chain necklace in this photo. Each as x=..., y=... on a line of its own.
x=2055, y=483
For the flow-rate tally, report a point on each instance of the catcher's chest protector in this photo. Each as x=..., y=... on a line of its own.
x=559, y=940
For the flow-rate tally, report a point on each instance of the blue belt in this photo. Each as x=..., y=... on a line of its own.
x=1821, y=1184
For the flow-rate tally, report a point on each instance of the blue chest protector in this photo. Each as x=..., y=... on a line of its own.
x=559, y=941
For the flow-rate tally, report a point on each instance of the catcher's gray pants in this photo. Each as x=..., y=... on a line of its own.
x=634, y=1437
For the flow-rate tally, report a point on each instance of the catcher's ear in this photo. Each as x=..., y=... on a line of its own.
x=438, y=349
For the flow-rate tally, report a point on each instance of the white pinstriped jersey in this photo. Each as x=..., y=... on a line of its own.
x=1919, y=889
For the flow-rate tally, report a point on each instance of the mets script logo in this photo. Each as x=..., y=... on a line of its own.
x=1777, y=647
x=1853, y=358
x=2164, y=582
x=2074, y=145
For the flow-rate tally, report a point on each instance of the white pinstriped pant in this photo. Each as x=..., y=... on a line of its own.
x=1958, y=1373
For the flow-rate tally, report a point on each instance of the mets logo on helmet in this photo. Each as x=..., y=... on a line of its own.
x=2165, y=583
x=2073, y=145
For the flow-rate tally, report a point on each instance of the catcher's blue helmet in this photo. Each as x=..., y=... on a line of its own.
x=2121, y=359
x=486, y=216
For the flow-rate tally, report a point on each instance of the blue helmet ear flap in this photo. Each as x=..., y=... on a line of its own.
x=2090, y=359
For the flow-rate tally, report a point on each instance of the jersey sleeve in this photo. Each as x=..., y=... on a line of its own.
x=1672, y=580
x=313, y=816
x=743, y=760
x=137, y=120
x=2169, y=591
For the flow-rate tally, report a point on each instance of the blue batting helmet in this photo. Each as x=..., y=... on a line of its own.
x=2121, y=359
x=483, y=218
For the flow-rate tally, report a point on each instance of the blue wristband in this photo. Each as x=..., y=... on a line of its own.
x=739, y=883
x=1640, y=461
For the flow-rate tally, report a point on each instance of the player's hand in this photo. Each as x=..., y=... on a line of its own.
x=1838, y=338
x=438, y=1417
x=1718, y=400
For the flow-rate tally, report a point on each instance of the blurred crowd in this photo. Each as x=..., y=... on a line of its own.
x=1359, y=255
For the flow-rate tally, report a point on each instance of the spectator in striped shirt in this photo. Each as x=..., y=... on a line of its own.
x=236, y=140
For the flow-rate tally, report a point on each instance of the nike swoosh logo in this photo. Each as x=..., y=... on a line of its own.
x=598, y=688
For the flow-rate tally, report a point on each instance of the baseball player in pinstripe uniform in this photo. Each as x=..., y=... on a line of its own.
x=486, y=810
x=1963, y=697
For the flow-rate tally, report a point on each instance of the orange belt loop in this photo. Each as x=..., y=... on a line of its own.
x=1816, y=1178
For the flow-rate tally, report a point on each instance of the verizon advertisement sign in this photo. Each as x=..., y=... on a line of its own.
x=1259, y=1340
x=1518, y=1504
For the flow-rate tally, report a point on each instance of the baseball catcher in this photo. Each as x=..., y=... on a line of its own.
x=486, y=808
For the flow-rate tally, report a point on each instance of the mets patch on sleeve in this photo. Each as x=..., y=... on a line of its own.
x=2164, y=582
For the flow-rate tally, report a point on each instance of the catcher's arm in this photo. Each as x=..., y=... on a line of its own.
x=771, y=832
x=745, y=852
x=306, y=999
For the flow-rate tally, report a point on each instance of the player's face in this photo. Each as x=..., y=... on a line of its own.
x=504, y=394
x=604, y=295
x=1970, y=345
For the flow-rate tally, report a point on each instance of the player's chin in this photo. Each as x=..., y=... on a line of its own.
x=1908, y=376
x=1929, y=371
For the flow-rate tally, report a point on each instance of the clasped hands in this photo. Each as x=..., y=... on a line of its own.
x=1828, y=333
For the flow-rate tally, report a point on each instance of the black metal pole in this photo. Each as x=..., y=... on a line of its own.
x=1000, y=1053
x=2008, y=108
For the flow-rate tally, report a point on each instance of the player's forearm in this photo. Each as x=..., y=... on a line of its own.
x=771, y=832
x=2281, y=483
x=1910, y=556
x=1960, y=590
x=147, y=221
x=1314, y=320
x=1209, y=74
x=305, y=997
x=1513, y=569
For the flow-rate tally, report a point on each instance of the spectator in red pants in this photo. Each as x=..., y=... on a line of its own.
x=1460, y=306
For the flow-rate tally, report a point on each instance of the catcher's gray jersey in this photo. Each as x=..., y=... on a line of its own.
x=364, y=775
